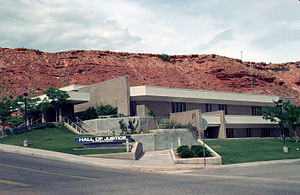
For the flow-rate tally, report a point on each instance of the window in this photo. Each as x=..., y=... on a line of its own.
x=208, y=108
x=133, y=108
x=229, y=133
x=223, y=107
x=173, y=107
x=265, y=132
x=178, y=107
x=249, y=132
x=256, y=110
x=184, y=107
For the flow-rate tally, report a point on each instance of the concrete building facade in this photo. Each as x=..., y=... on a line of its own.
x=228, y=114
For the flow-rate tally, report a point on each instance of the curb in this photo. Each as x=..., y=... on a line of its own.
x=127, y=164
x=106, y=163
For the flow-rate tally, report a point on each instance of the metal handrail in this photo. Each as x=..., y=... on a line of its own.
x=84, y=125
x=73, y=125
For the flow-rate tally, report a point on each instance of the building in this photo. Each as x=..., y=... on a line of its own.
x=228, y=114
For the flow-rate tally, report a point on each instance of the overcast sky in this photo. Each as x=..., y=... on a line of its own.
x=265, y=30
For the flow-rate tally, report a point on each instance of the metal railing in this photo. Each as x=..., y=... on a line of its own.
x=74, y=125
x=83, y=125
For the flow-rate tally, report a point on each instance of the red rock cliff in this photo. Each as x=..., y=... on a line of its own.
x=34, y=71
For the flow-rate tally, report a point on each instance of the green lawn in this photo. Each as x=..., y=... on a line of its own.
x=250, y=150
x=57, y=139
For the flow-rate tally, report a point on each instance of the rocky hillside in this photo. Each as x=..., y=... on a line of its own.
x=34, y=71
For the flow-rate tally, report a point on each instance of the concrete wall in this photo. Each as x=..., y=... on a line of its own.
x=192, y=116
x=165, y=139
x=114, y=92
x=112, y=124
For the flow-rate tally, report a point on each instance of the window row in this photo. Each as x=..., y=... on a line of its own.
x=178, y=107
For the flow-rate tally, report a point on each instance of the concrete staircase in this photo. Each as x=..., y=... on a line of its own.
x=78, y=127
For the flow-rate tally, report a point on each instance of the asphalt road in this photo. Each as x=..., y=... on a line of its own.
x=31, y=175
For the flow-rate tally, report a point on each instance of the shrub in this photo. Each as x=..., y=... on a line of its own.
x=170, y=125
x=117, y=115
x=89, y=113
x=164, y=57
x=180, y=148
x=186, y=153
x=198, y=151
x=152, y=113
x=195, y=151
x=107, y=110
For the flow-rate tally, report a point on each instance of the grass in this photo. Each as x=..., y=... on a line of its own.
x=57, y=139
x=251, y=150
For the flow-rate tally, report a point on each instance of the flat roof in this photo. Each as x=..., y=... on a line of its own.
x=150, y=93
x=72, y=87
x=75, y=97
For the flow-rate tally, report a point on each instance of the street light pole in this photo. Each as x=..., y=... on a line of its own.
x=25, y=118
x=280, y=104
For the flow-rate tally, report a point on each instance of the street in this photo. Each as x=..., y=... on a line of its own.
x=31, y=175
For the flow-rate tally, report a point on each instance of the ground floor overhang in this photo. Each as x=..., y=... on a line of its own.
x=239, y=121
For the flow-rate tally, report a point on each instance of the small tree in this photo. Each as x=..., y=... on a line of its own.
x=33, y=108
x=290, y=115
x=6, y=108
x=57, y=98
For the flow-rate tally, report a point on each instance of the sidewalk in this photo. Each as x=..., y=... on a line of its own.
x=152, y=161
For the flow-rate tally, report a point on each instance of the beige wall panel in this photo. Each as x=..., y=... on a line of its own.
x=114, y=92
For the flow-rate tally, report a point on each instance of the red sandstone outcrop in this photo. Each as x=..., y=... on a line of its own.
x=32, y=70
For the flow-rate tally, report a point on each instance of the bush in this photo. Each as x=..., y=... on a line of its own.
x=89, y=113
x=180, y=148
x=195, y=151
x=117, y=115
x=107, y=110
x=164, y=57
x=186, y=153
x=198, y=151
x=152, y=113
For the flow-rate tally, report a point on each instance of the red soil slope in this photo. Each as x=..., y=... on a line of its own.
x=34, y=71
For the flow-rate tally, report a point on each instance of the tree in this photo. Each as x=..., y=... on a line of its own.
x=106, y=110
x=57, y=98
x=33, y=108
x=6, y=109
x=290, y=115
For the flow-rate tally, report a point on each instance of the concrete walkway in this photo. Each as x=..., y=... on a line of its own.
x=154, y=161
x=151, y=161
